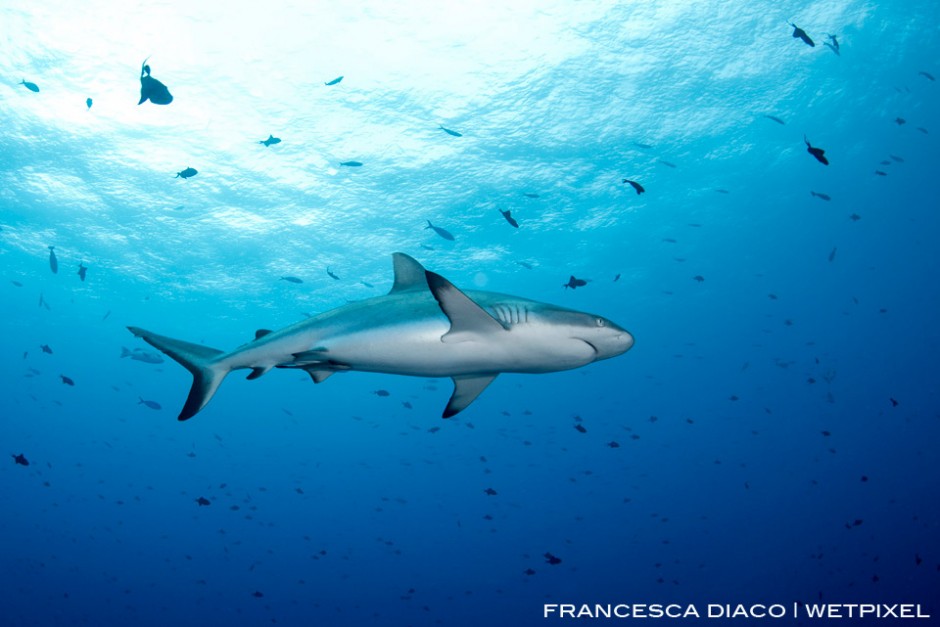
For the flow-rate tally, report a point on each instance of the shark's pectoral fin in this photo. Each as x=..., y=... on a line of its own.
x=467, y=319
x=466, y=389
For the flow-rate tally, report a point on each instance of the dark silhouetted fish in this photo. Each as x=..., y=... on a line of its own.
x=88, y=102
x=187, y=173
x=271, y=140
x=508, y=215
x=922, y=130
x=574, y=283
x=818, y=153
x=530, y=195
x=894, y=403
x=150, y=404
x=16, y=283
x=352, y=164
x=642, y=145
x=580, y=428
x=528, y=571
x=926, y=75
x=881, y=173
x=291, y=279
x=335, y=81
x=722, y=191
x=366, y=283
x=151, y=89
x=30, y=86
x=139, y=354
x=896, y=158
x=20, y=459
x=832, y=254
x=450, y=132
x=833, y=44
x=442, y=232
x=800, y=33
x=613, y=444
x=330, y=272
x=45, y=348
x=82, y=270
x=490, y=492
x=66, y=380
x=775, y=119
x=668, y=164
x=900, y=121
x=617, y=278
x=43, y=303
x=855, y=217
x=203, y=502
x=525, y=264
x=381, y=393
x=639, y=188
x=53, y=262
x=257, y=594
x=820, y=195
x=551, y=559
x=699, y=278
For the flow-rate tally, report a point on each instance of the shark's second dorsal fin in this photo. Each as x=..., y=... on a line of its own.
x=260, y=333
x=409, y=274
x=467, y=319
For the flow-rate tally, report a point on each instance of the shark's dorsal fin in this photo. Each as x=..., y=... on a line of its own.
x=409, y=274
x=260, y=333
x=466, y=389
x=467, y=319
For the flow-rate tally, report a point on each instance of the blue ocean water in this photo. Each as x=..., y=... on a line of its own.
x=770, y=438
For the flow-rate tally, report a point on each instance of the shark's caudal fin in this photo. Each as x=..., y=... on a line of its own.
x=199, y=360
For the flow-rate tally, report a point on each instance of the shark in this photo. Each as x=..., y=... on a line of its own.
x=423, y=327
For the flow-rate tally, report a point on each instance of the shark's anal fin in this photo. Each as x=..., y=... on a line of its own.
x=466, y=389
x=467, y=319
x=409, y=274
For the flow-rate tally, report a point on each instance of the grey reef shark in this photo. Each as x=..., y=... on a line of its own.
x=424, y=327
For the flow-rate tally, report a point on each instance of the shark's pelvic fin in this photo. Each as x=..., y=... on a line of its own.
x=466, y=389
x=199, y=360
x=467, y=319
x=409, y=274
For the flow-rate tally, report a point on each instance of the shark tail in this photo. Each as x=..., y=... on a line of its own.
x=199, y=360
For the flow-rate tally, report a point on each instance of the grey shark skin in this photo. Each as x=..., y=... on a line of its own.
x=424, y=327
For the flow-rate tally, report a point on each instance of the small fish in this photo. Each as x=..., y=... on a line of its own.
x=881, y=173
x=922, y=130
x=291, y=279
x=335, y=81
x=139, y=354
x=775, y=119
x=508, y=215
x=894, y=403
x=66, y=380
x=187, y=173
x=45, y=348
x=381, y=393
x=551, y=559
x=30, y=86
x=351, y=164
x=698, y=277
x=821, y=196
x=900, y=121
x=525, y=264
x=613, y=444
x=203, y=501
x=722, y=191
x=151, y=89
x=530, y=195
x=832, y=254
x=366, y=283
x=442, y=232
x=855, y=217
x=617, y=278
x=43, y=303
x=528, y=571
x=330, y=272
x=642, y=145
x=668, y=164
x=639, y=188
x=257, y=594
x=896, y=158
x=16, y=283
x=799, y=32
x=833, y=44
x=88, y=102
x=574, y=283
x=490, y=492
x=271, y=140
x=20, y=459
x=150, y=404
x=53, y=262
x=580, y=428
x=105, y=317
x=450, y=132
x=81, y=271
x=926, y=75
x=818, y=153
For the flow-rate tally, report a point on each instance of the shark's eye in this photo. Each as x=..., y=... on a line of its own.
x=600, y=322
